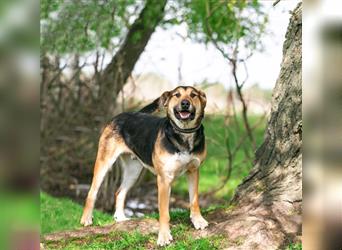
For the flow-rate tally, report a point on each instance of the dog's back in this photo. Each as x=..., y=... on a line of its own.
x=139, y=131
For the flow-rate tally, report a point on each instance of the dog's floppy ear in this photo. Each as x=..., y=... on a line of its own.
x=203, y=98
x=157, y=104
x=164, y=99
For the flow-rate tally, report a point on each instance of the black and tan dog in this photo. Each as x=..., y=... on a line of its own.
x=168, y=146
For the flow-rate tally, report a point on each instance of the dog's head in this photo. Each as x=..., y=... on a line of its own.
x=184, y=106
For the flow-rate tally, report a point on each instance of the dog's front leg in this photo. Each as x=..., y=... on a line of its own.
x=164, y=190
x=195, y=212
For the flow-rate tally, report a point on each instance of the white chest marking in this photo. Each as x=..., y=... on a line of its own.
x=189, y=139
x=179, y=163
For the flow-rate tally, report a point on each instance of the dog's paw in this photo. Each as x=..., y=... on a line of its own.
x=118, y=217
x=86, y=220
x=199, y=222
x=164, y=238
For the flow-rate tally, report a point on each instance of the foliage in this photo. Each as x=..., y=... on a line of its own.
x=79, y=26
x=227, y=24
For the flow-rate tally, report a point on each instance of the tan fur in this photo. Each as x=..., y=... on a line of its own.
x=193, y=175
x=111, y=145
x=196, y=98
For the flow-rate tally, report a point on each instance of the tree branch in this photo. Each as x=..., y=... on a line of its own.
x=276, y=2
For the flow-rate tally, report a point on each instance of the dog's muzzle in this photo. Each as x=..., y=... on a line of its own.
x=184, y=111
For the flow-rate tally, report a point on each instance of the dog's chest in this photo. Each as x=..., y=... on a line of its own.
x=185, y=142
x=179, y=163
x=189, y=140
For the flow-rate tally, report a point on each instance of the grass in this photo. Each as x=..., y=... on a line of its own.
x=58, y=214
x=19, y=214
x=296, y=246
x=135, y=240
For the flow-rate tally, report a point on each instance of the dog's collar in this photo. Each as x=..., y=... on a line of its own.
x=185, y=130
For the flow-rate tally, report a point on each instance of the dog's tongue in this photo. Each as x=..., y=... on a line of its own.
x=184, y=114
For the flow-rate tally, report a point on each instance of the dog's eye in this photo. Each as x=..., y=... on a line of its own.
x=177, y=95
x=192, y=95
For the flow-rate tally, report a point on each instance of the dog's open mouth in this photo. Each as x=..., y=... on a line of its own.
x=184, y=115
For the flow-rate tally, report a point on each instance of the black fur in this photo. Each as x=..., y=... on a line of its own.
x=172, y=139
x=150, y=108
x=140, y=130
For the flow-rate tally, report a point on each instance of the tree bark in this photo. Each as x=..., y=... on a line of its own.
x=119, y=69
x=265, y=212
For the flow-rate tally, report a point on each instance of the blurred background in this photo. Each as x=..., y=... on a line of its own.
x=100, y=58
x=19, y=124
x=322, y=105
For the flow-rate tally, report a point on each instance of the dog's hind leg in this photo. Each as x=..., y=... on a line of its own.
x=110, y=147
x=131, y=169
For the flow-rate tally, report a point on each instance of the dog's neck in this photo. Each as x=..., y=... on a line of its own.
x=184, y=141
x=185, y=130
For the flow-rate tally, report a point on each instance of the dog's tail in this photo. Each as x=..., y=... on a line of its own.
x=151, y=108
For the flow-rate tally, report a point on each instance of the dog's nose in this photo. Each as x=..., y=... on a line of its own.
x=185, y=104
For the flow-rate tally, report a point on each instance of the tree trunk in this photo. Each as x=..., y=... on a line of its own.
x=119, y=69
x=266, y=209
x=116, y=74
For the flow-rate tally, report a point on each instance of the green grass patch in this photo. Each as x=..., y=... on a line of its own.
x=19, y=215
x=135, y=240
x=115, y=240
x=58, y=214
x=296, y=246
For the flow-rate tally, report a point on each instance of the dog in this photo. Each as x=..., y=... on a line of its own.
x=168, y=146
